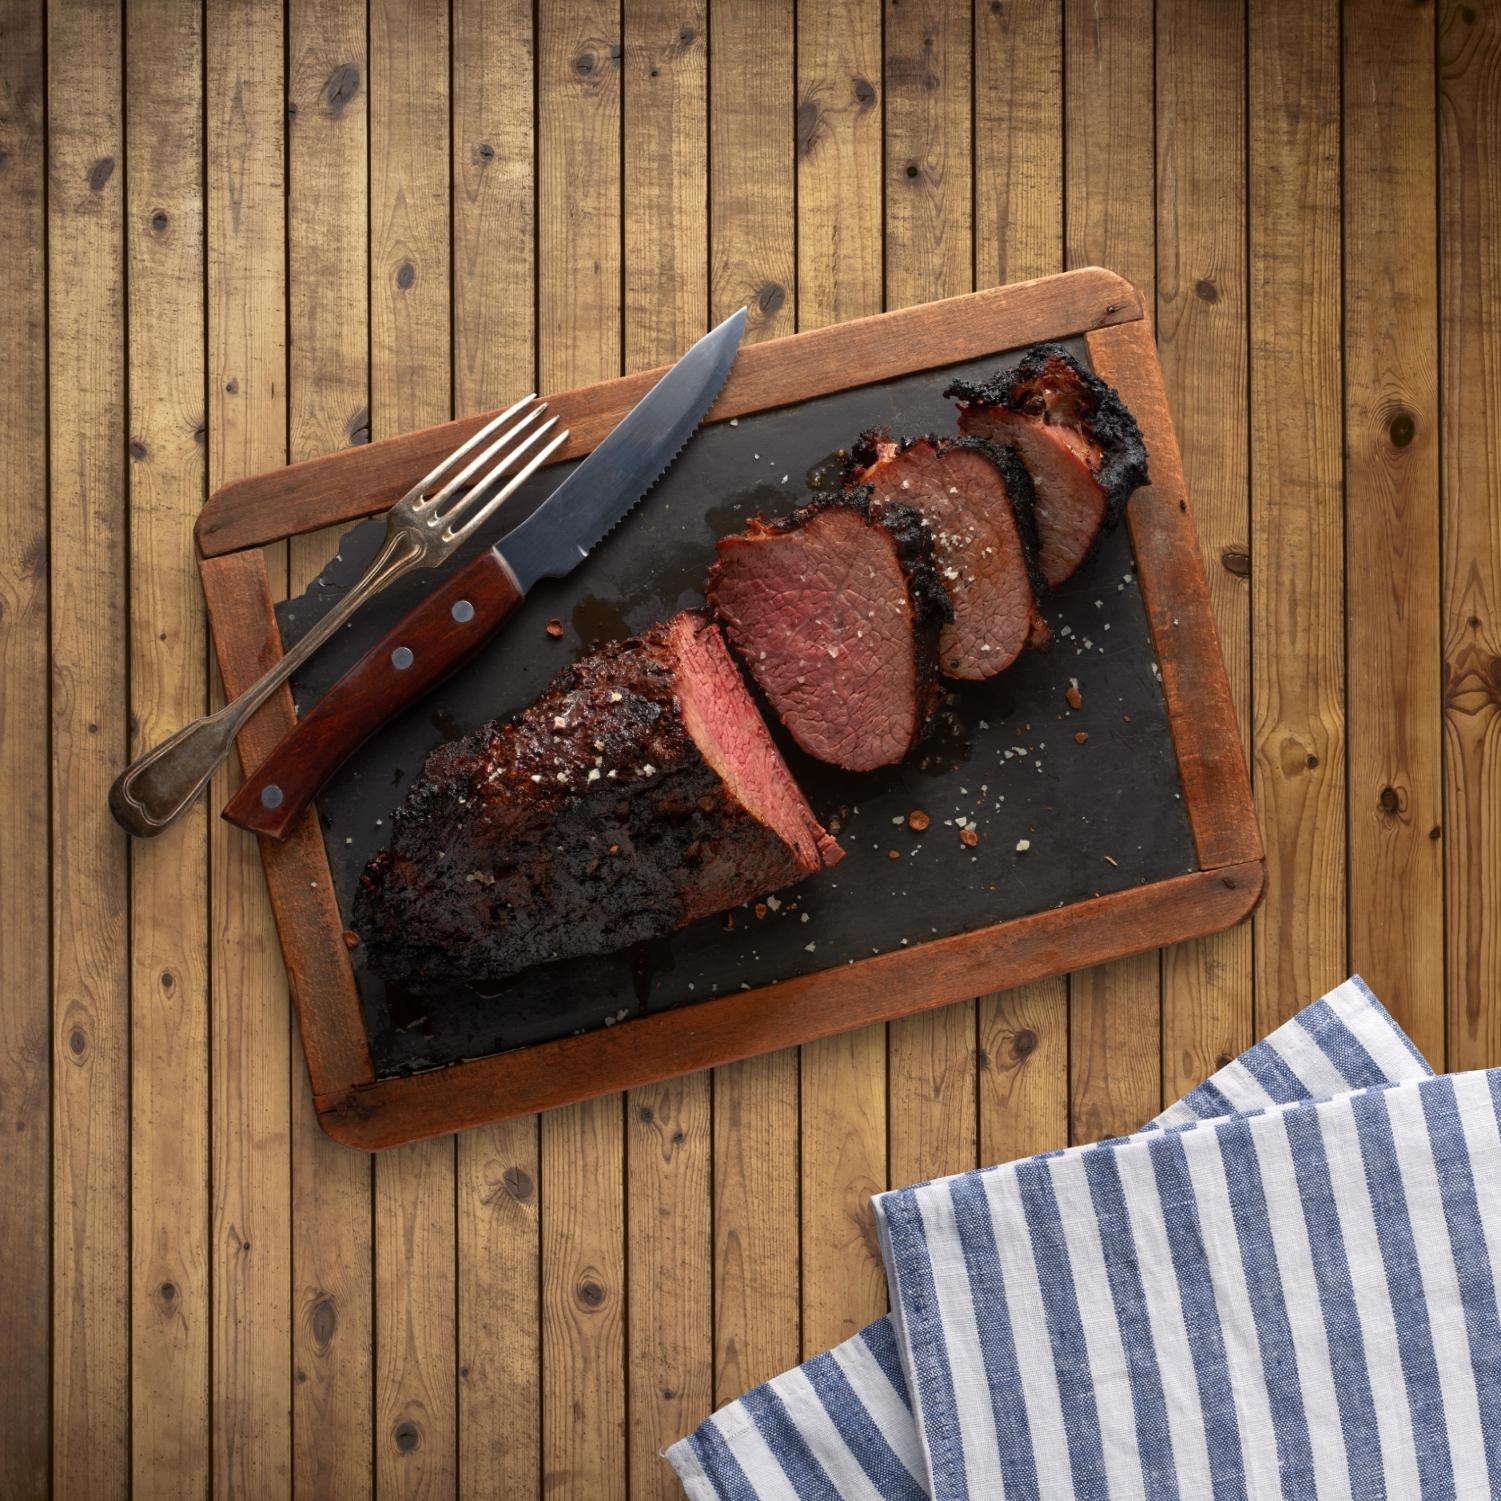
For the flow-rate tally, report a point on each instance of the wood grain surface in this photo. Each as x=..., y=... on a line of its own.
x=669, y=1297
x=1115, y=1017
x=1297, y=504
x=251, y=1050
x=756, y=1221
x=1469, y=405
x=328, y=402
x=414, y=1216
x=176, y=1302
x=92, y=1268
x=378, y=218
x=25, y=1030
x=1202, y=341
x=1393, y=620
x=580, y=230
x=498, y=1244
x=843, y=1143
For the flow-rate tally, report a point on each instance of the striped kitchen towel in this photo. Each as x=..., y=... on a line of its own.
x=845, y=1423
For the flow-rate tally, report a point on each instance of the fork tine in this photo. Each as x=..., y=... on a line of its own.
x=451, y=513
x=528, y=470
x=468, y=444
x=435, y=503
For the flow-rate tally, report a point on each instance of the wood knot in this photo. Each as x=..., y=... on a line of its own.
x=1023, y=1043
x=585, y=64
x=1435, y=832
x=359, y=427
x=323, y=1321
x=485, y=152
x=1403, y=430
x=343, y=84
x=518, y=1183
x=100, y=173
x=1205, y=290
x=406, y=274
x=1236, y=560
x=78, y=1042
x=166, y=1298
x=1294, y=757
x=137, y=449
x=864, y=92
x=809, y=126
x=407, y=1436
x=590, y=1294
x=168, y=981
x=645, y=1116
x=771, y=297
x=159, y=221
x=687, y=36
x=1390, y=801
x=912, y=169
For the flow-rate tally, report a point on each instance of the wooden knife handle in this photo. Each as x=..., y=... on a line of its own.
x=413, y=657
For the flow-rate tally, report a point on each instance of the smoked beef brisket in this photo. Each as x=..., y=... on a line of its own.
x=976, y=498
x=639, y=792
x=1081, y=445
x=836, y=609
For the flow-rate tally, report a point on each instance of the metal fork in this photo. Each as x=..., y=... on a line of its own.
x=421, y=531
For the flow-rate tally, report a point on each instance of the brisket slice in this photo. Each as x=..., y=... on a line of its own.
x=976, y=498
x=1074, y=434
x=639, y=792
x=836, y=610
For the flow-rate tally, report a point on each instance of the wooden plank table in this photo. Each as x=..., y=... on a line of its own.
x=252, y=231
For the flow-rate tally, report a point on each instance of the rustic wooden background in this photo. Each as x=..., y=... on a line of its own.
x=234, y=234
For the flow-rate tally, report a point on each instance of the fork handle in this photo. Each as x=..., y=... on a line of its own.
x=157, y=788
x=447, y=628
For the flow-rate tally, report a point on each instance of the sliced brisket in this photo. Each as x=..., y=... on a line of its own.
x=836, y=610
x=1074, y=434
x=976, y=498
x=639, y=792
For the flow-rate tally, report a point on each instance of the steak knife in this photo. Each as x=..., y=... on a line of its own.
x=464, y=610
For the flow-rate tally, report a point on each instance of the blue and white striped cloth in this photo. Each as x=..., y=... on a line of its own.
x=1284, y=1286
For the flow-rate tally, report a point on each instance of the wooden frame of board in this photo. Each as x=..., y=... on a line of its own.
x=359, y=1108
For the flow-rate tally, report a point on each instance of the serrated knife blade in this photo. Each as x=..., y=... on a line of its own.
x=608, y=485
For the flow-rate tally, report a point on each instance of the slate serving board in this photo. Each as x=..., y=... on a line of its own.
x=1098, y=817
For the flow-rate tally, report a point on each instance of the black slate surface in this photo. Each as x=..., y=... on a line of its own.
x=1098, y=817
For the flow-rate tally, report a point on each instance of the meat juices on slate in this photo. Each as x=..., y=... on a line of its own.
x=976, y=498
x=640, y=791
x=836, y=609
x=1082, y=447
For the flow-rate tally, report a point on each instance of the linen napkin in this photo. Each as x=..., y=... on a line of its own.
x=1054, y=1330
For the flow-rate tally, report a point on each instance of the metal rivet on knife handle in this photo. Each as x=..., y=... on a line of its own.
x=463, y=611
x=402, y=658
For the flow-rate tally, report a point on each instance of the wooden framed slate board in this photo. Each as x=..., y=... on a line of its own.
x=1141, y=835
